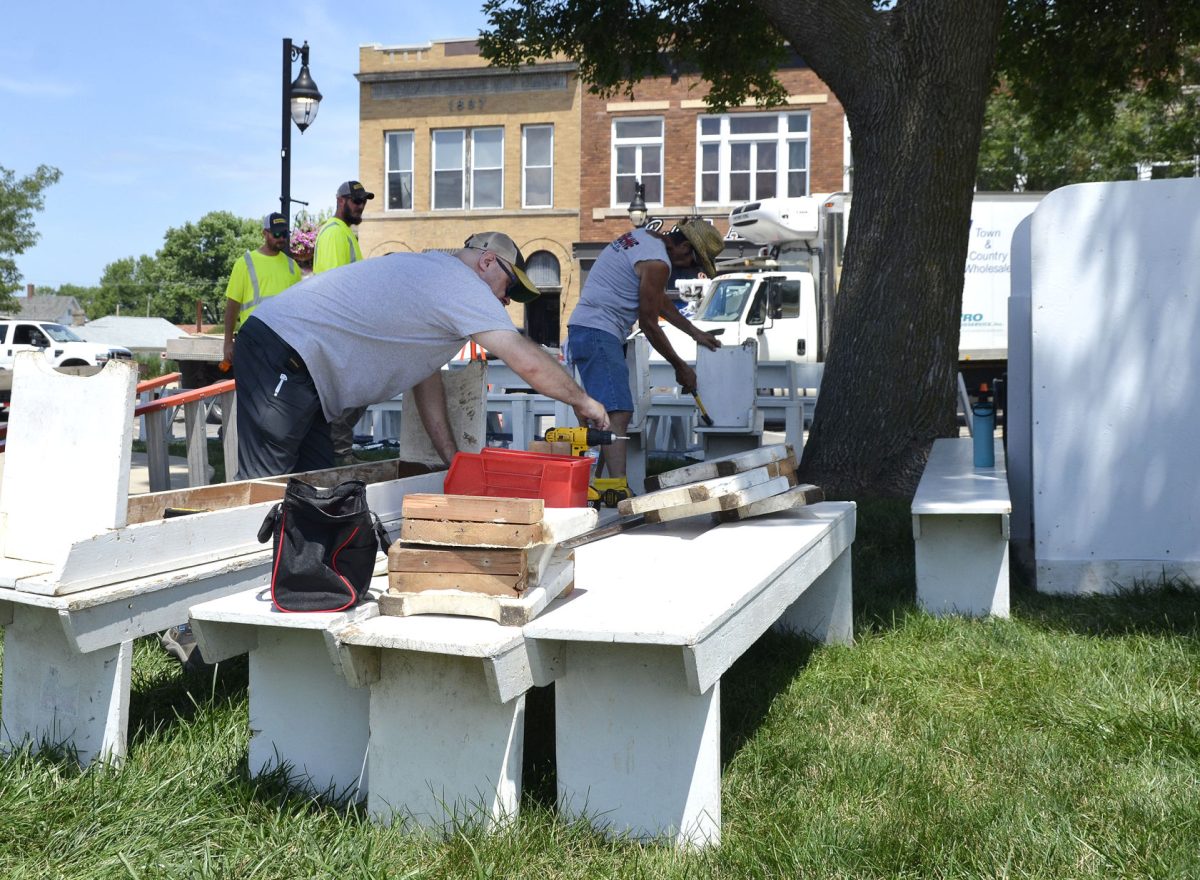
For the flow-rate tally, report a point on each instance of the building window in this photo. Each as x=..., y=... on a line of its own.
x=537, y=147
x=637, y=156
x=399, y=148
x=542, y=315
x=449, y=160
x=487, y=168
x=746, y=156
x=468, y=168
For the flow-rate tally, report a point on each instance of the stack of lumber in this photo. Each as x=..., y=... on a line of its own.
x=734, y=487
x=481, y=557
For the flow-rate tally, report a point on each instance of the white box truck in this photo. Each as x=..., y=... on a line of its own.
x=783, y=297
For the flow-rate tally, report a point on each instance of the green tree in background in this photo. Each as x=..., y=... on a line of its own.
x=914, y=78
x=20, y=199
x=192, y=266
x=1159, y=130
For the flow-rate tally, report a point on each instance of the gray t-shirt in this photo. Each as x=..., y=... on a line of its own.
x=609, y=301
x=370, y=330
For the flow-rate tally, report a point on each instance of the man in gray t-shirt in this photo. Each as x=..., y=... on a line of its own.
x=370, y=330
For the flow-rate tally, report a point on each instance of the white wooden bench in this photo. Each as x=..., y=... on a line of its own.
x=636, y=659
x=657, y=617
x=960, y=517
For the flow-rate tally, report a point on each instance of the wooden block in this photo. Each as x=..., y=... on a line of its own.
x=797, y=496
x=557, y=525
x=732, y=501
x=720, y=467
x=543, y=447
x=473, y=508
x=691, y=493
x=505, y=610
x=785, y=467
x=468, y=534
x=465, y=560
x=488, y=584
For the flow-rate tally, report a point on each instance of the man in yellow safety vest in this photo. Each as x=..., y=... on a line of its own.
x=260, y=273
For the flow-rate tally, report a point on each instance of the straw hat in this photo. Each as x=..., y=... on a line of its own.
x=705, y=241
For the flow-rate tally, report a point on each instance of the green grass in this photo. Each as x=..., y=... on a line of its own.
x=1061, y=743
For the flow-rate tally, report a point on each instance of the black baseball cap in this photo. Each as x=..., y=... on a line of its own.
x=352, y=189
x=276, y=224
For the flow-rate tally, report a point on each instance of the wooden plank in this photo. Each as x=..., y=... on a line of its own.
x=605, y=531
x=470, y=534
x=558, y=524
x=797, y=496
x=466, y=560
x=731, y=501
x=488, y=584
x=692, y=493
x=720, y=467
x=474, y=508
x=505, y=610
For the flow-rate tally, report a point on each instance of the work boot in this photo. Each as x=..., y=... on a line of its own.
x=180, y=643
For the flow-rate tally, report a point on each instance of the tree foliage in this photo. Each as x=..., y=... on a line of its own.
x=20, y=199
x=913, y=77
x=1153, y=130
x=193, y=265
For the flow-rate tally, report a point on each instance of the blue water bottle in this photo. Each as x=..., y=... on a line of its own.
x=983, y=430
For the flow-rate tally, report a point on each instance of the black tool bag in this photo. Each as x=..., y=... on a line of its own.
x=325, y=542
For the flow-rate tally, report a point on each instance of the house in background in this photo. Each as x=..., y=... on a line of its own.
x=451, y=146
x=64, y=310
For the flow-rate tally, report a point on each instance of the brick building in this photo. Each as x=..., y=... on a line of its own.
x=453, y=146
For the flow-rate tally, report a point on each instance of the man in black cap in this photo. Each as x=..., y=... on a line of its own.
x=263, y=272
x=337, y=245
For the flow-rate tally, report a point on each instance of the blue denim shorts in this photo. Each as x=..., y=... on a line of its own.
x=600, y=359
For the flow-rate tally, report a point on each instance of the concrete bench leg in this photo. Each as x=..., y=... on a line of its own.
x=304, y=714
x=443, y=751
x=637, y=752
x=825, y=611
x=55, y=696
x=962, y=564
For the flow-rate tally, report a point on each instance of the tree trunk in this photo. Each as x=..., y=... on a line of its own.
x=914, y=82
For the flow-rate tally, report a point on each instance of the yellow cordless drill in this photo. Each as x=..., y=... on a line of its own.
x=606, y=490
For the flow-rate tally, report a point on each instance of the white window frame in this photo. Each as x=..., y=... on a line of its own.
x=476, y=168
x=783, y=140
x=435, y=135
x=526, y=165
x=388, y=138
x=641, y=143
x=466, y=167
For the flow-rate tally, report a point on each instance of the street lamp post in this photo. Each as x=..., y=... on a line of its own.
x=637, y=205
x=301, y=99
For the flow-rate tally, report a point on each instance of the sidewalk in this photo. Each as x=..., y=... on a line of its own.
x=139, y=473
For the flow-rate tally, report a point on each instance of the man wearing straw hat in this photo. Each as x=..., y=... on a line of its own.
x=627, y=286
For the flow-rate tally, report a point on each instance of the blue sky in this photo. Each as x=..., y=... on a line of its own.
x=157, y=113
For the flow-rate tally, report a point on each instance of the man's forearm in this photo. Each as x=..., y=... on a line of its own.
x=657, y=338
x=546, y=377
x=430, y=398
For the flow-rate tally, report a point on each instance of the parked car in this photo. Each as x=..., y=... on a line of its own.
x=61, y=347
